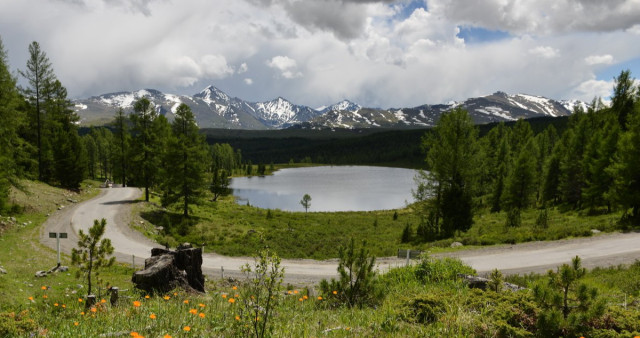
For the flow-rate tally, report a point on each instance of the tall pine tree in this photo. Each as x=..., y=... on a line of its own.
x=144, y=160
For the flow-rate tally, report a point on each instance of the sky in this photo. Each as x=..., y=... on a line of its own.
x=377, y=53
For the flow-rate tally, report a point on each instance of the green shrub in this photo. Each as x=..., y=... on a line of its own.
x=426, y=309
x=439, y=270
x=12, y=324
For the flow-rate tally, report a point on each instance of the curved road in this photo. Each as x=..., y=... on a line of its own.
x=114, y=205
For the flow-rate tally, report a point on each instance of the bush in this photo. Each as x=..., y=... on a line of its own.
x=439, y=270
x=358, y=284
x=12, y=324
x=427, y=309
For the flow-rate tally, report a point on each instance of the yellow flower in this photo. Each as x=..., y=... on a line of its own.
x=136, y=303
x=201, y=314
x=300, y=299
x=146, y=297
x=55, y=304
x=82, y=313
x=193, y=311
x=43, y=287
x=335, y=292
x=152, y=316
x=201, y=305
x=79, y=300
x=289, y=292
x=187, y=328
x=76, y=323
x=237, y=317
x=93, y=309
x=305, y=297
x=175, y=293
x=319, y=297
x=64, y=306
x=166, y=297
x=348, y=328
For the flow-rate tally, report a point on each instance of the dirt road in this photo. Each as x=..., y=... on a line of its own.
x=114, y=205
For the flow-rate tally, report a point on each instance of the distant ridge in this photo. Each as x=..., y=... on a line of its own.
x=213, y=108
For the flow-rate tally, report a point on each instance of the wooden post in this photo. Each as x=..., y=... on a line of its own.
x=91, y=300
x=408, y=253
x=114, y=296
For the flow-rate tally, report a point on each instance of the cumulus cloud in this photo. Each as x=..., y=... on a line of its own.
x=544, y=51
x=593, y=88
x=248, y=81
x=605, y=59
x=243, y=68
x=286, y=65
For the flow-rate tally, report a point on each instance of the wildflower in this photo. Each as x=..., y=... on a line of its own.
x=152, y=316
x=193, y=311
x=76, y=323
x=235, y=287
x=175, y=293
x=82, y=313
x=257, y=319
x=166, y=297
x=237, y=317
x=136, y=303
x=289, y=292
x=43, y=287
x=134, y=334
x=319, y=297
x=201, y=305
x=166, y=336
x=224, y=295
x=55, y=304
x=64, y=306
x=295, y=292
x=186, y=301
x=236, y=295
x=348, y=328
x=31, y=299
x=232, y=300
x=201, y=314
x=300, y=299
x=146, y=297
x=187, y=328
x=79, y=300
x=103, y=300
x=45, y=296
x=335, y=292
x=305, y=297
x=93, y=309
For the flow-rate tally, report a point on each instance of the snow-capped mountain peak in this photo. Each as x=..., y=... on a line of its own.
x=345, y=105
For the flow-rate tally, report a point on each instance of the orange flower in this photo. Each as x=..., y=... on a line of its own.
x=295, y=292
x=93, y=309
x=55, y=304
x=319, y=297
x=43, y=287
x=348, y=328
x=76, y=323
x=224, y=295
x=136, y=303
x=103, y=300
x=166, y=297
x=305, y=297
x=201, y=305
x=187, y=328
x=232, y=300
x=335, y=292
x=193, y=311
x=45, y=296
x=82, y=313
x=300, y=299
x=201, y=314
x=175, y=293
x=146, y=297
x=64, y=306
x=31, y=298
x=289, y=292
x=186, y=301
x=79, y=300
x=235, y=287
x=152, y=316
x=134, y=334
x=237, y=317
x=166, y=336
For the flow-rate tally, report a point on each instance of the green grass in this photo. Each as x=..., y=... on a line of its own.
x=438, y=305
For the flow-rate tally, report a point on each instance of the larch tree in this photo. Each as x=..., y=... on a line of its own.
x=143, y=159
x=122, y=139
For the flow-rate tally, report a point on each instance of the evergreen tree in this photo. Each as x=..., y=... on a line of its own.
x=143, y=160
x=625, y=168
x=501, y=172
x=39, y=74
x=219, y=183
x=598, y=157
x=521, y=181
x=122, y=139
x=452, y=159
x=622, y=101
x=550, y=187
x=186, y=161
x=572, y=179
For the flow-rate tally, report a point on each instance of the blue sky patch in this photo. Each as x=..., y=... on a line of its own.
x=473, y=35
x=608, y=73
x=410, y=7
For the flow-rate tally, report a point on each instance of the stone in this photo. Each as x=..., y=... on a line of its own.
x=166, y=270
x=3, y=271
x=41, y=273
x=595, y=231
x=456, y=244
x=475, y=282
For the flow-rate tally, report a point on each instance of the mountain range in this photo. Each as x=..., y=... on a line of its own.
x=215, y=109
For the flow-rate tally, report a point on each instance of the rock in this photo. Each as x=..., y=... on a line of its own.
x=475, y=282
x=63, y=268
x=595, y=231
x=41, y=273
x=167, y=269
x=3, y=271
x=456, y=244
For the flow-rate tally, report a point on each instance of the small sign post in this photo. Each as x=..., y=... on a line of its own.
x=57, y=236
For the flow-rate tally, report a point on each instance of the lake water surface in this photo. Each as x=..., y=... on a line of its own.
x=332, y=188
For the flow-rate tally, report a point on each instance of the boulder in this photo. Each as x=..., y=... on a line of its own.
x=456, y=244
x=2, y=270
x=475, y=282
x=167, y=269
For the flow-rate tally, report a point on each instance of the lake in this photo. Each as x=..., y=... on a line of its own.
x=332, y=188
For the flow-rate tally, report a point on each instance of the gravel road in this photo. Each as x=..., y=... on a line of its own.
x=115, y=206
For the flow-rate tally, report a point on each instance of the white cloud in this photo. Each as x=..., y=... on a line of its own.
x=635, y=29
x=248, y=81
x=593, y=88
x=215, y=66
x=605, y=59
x=286, y=65
x=545, y=52
x=243, y=68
